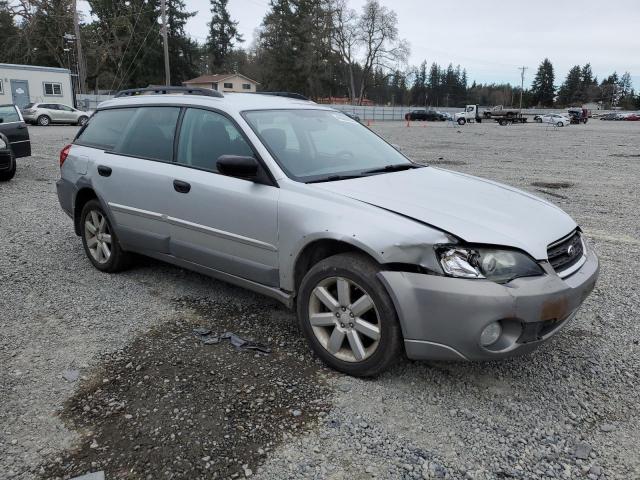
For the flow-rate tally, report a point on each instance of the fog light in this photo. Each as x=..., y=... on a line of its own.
x=490, y=334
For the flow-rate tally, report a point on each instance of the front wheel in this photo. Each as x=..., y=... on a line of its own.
x=559, y=124
x=461, y=121
x=82, y=120
x=348, y=317
x=100, y=241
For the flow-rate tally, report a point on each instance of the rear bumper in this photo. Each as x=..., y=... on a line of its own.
x=442, y=317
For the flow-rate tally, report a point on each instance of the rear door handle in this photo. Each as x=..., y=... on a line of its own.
x=104, y=171
x=181, y=187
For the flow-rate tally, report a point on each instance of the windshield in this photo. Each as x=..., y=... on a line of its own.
x=314, y=145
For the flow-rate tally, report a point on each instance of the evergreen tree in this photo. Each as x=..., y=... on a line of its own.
x=183, y=52
x=542, y=88
x=570, y=91
x=223, y=35
x=9, y=34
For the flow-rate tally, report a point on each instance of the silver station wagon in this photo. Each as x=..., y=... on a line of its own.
x=380, y=256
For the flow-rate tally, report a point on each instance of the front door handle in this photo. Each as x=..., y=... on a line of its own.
x=181, y=187
x=104, y=171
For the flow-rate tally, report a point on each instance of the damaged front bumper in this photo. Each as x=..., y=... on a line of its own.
x=442, y=318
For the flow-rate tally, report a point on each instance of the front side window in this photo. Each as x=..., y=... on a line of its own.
x=52, y=88
x=205, y=136
x=312, y=145
x=8, y=114
x=228, y=85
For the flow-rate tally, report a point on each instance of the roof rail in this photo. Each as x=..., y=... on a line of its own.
x=297, y=96
x=132, y=92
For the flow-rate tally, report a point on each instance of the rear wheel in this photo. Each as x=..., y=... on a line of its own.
x=348, y=317
x=100, y=241
x=43, y=120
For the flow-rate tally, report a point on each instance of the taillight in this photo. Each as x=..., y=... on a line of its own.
x=64, y=153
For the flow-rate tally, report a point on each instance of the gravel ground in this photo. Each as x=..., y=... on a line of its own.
x=104, y=372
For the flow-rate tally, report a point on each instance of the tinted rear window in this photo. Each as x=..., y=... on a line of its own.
x=8, y=114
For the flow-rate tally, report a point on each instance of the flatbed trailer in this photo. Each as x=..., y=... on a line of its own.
x=515, y=118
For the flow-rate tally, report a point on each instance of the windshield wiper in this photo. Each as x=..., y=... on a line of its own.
x=397, y=167
x=333, y=178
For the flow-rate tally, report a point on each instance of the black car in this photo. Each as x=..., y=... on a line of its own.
x=14, y=140
x=425, y=115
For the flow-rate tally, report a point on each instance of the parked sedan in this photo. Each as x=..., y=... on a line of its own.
x=424, y=115
x=14, y=140
x=47, y=113
x=555, y=119
x=632, y=117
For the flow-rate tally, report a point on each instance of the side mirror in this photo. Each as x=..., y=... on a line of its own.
x=237, y=166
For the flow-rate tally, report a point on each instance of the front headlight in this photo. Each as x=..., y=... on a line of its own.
x=493, y=264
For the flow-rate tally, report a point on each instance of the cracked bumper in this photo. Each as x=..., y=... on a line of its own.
x=442, y=317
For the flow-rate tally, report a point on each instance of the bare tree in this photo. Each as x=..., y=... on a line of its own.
x=346, y=38
x=369, y=41
x=378, y=35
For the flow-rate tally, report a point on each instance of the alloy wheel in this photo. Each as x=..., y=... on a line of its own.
x=344, y=319
x=98, y=236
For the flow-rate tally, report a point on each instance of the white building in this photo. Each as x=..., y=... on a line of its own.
x=22, y=84
x=224, y=82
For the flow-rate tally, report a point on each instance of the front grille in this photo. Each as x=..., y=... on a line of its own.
x=566, y=252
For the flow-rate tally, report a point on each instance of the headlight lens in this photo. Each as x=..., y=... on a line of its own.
x=492, y=264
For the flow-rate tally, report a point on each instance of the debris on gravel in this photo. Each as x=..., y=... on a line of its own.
x=169, y=405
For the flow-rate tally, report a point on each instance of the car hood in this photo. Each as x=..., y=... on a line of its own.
x=471, y=208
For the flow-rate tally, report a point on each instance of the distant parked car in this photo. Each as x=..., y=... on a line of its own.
x=424, y=115
x=14, y=140
x=609, y=116
x=555, y=119
x=47, y=113
x=632, y=117
x=353, y=116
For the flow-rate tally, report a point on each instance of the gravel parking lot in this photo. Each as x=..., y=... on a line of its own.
x=104, y=372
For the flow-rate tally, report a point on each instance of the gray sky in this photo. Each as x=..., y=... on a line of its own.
x=467, y=32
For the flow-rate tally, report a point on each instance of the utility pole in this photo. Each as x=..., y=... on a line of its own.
x=82, y=77
x=167, y=73
x=523, y=68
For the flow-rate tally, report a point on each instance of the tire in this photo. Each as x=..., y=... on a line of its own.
x=44, y=120
x=461, y=121
x=502, y=122
x=560, y=124
x=537, y=120
x=7, y=175
x=117, y=259
x=368, y=356
x=82, y=120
